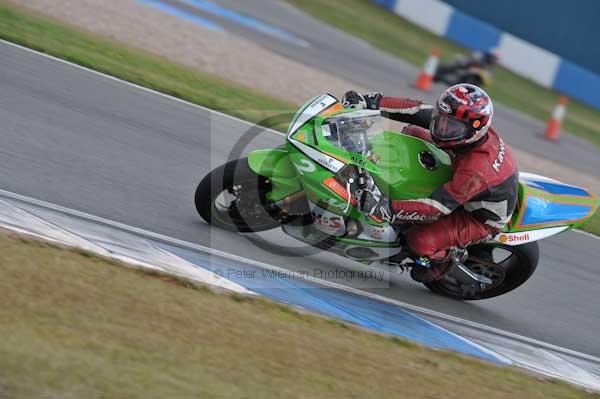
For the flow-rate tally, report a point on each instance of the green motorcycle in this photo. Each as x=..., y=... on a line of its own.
x=308, y=187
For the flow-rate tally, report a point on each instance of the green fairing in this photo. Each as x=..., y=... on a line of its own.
x=397, y=169
x=275, y=164
x=402, y=175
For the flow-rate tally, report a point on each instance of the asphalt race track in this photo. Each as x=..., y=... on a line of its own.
x=91, y=143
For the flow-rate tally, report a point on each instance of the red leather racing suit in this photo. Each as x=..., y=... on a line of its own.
x=474, y=205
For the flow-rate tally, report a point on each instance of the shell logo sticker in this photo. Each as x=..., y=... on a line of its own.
x=511, y=238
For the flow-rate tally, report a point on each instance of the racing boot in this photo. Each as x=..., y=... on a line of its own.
x=426, y=270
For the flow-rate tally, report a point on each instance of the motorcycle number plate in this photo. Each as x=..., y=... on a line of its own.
x=327, y=222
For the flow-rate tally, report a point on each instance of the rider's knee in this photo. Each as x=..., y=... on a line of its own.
x=422, y=243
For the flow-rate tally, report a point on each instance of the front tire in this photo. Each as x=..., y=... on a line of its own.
x=232, y=197
x=507, y=273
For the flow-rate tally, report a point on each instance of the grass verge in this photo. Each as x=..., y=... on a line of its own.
x=398, y=36
x=593, y=225
x=42, y=34
x=78, y=326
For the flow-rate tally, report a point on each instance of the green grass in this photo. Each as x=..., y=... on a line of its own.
x=405, y=40
x=42, y=34
x=77, y=326
x=593, y=225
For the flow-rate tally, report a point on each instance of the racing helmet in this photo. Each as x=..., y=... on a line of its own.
x=462, y=116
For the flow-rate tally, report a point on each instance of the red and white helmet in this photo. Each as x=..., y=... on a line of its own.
x=463, y=115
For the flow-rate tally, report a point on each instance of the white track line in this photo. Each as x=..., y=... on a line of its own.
x=585, y=233
x=197, y=247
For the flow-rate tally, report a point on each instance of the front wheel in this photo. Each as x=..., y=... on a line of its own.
x=507, y=266
x=232, y=197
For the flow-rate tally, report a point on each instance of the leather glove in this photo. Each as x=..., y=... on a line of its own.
x=370, y=203
x=366, y=201
x=353, y=99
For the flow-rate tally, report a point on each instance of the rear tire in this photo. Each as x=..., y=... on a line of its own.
x=246, y=213
x=510, y=273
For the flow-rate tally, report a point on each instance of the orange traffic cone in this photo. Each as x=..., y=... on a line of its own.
x=553, y=128
x=425, y=78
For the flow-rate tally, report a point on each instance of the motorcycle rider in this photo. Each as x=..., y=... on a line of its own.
x=459, y=70
x=481, y=196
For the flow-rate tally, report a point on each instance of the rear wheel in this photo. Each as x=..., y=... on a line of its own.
x=232, y=197
x=507, y=266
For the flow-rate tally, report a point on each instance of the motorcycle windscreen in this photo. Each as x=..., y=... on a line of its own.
x=549, y=203
x=351, y=131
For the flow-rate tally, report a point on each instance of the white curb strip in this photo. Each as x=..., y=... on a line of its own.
x=118, y=245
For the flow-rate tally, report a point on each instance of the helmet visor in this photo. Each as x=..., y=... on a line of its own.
x=446, y=128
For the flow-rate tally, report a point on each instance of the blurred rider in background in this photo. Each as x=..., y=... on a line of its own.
x=481, y=196
x=475, y=68
x=486, y=60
